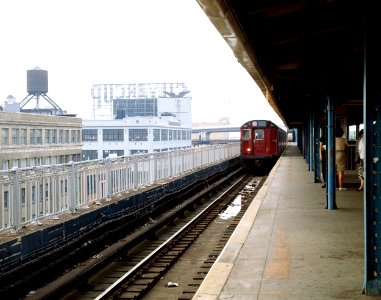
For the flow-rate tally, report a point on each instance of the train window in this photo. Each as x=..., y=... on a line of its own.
x=246, y=134
x=259, y=134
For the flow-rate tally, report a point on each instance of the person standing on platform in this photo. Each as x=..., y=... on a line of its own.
x=361, y=155
x=323, y=158
x=341, y=156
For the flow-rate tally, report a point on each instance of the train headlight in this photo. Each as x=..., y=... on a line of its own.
x=248, y=149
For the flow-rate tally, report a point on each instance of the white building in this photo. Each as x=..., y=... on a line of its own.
x=137, y=118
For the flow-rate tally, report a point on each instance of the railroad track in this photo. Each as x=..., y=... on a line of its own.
x=143, y=266
x=193, y=266
x=135, y=283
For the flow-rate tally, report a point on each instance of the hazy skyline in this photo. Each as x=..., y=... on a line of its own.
x=81, y=43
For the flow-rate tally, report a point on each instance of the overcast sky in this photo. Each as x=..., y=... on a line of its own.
x=86, y=42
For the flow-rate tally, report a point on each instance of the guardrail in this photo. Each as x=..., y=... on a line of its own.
x=33, y=194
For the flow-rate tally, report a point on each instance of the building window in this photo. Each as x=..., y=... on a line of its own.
x=63, y=187
x=67, y=137
x=54, y=136
x=5, y=136
x=107, y=153
x=113, y=135
x=89, y=154
x=170, y=137
x=78, y=136
x=23, y=136
x=22, y=196
x=6, y=199
x=47, y=136
x=61, y=136
x=135, y=107
x=133, y=152
x=46, y=191
x=138, y=134
x=164, y=134
x=32, y=136
x=156, y=134
x=15, y=136
x=5, y=165
x=23, y=163
x=183, y=135
x=34, y=194
x=15, y=163
x=39, y=136
x=89, y=135
x=41, y=196
x=73, y=136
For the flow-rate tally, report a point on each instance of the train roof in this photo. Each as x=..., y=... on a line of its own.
x=259, y=123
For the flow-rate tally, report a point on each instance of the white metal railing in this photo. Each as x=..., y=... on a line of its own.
x=33, y=194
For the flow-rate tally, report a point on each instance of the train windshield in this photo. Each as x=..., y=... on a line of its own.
x=246, y=134
x=259, y=134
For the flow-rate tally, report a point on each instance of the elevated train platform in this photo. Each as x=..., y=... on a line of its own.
x=317, y=63
x=288, y=246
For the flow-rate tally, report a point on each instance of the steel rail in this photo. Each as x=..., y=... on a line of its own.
x=170, y=243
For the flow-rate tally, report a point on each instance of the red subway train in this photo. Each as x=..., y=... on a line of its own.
x=262, y=142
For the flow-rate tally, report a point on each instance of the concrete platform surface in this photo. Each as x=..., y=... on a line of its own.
x=288, y=246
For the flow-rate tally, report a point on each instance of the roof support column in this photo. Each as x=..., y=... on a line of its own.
x=316, y=140
x=331, y=172
x=305, y=142
x=372, y=162
x=311, y=143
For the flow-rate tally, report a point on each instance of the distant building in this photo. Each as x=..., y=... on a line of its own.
x=215, y=136
x=137, y=118
x=11, y=105
x=29, y=140
x=131, y=136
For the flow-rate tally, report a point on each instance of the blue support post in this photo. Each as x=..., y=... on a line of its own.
x=317, y=170
x=372, y=161
x=302, y=139
x=311, y=143
x=331, y=172
x=305, y=142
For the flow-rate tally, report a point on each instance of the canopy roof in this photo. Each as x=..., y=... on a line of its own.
x=298, y=52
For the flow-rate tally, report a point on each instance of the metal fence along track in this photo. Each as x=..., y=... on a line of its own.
x=35, y=194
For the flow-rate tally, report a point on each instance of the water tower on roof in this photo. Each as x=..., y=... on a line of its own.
x=37, y=87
